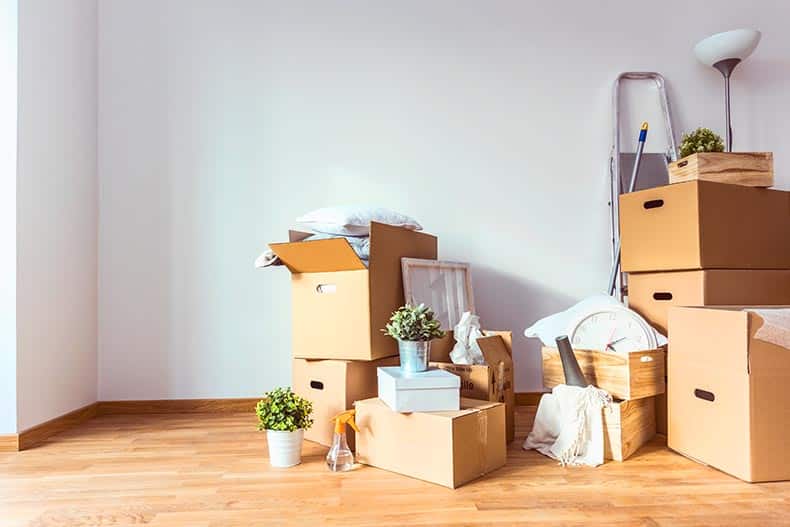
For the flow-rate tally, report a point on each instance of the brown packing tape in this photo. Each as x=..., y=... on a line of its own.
x=499, y=378
x=482, y=442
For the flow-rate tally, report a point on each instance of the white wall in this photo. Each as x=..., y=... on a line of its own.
x=57, y=209
x=8, y=82
x=220, y=122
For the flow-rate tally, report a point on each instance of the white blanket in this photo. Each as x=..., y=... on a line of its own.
x=569, y=425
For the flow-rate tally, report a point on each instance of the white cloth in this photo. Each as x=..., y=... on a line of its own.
x=776, y=326
x=466, y=333
x=569, y=425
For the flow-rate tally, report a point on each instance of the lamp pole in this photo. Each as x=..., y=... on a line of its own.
x=725, y=67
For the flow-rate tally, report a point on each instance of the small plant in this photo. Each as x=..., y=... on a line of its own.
x=282, y=409
x=701, y=140
x=414, y=323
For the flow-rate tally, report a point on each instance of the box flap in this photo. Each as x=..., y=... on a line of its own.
x=427, y=380
x=494, y=350
x=507, y=337
x=318, y=256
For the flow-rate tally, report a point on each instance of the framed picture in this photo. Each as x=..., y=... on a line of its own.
x=446, y=287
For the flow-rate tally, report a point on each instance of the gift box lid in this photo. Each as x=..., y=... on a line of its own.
x=425, y=380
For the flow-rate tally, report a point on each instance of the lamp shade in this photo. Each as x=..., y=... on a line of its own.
x=735, y=44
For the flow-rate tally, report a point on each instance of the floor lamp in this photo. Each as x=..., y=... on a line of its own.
x=724, y=51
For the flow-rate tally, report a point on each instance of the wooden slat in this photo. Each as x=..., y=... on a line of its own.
x=751, y=169
x=37, y=434
x=9, y=442
x=170, y=406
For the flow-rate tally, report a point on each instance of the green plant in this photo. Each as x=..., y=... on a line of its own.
x=413, y=323
x=282, y=409
x=701, y=140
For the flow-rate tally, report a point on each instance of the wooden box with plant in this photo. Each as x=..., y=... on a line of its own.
x=703, y=158
x=414, y=327
x=285, y=416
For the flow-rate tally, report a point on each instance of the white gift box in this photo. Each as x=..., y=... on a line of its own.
x=433, y=390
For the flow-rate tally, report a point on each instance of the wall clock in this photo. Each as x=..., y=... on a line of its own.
x=612, y=328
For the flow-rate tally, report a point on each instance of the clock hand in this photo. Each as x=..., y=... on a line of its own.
x=611, y=344
x=609, y=340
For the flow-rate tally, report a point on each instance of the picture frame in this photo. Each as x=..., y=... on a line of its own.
x=445, y=286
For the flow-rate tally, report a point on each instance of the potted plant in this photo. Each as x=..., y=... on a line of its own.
x=414, y=327
x=285, y=416
x=702, y=157
x=700, y=140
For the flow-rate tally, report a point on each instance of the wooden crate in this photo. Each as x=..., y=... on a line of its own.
x=627, y=426
x=624, y=375
x=751, y=169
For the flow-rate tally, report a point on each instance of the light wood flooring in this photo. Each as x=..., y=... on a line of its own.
x=208, y=470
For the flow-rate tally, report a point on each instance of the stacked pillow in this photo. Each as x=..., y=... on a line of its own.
x=354, y=220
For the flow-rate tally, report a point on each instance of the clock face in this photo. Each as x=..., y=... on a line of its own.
x=619, y=330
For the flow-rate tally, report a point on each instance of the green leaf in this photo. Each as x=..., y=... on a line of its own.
x=281, y=409
x=413, y=323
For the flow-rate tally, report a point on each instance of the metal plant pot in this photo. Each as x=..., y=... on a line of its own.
x=414, y=355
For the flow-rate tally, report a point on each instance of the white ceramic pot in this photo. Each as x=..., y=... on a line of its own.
x=285, y=448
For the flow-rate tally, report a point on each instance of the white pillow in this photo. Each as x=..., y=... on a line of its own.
x=354, y=220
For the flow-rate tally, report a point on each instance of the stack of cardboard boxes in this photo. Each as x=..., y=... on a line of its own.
x=702, y=243
x=340, y=306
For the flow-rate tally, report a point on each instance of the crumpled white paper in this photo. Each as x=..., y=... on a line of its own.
x=776, y=326
x=466, y=350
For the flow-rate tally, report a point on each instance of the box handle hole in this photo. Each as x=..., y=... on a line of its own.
x=326, y=289
x=316, y=385
x=662, y=296
x=683, y=163
x=645, y=358
x=654, y=203
x=704, y=394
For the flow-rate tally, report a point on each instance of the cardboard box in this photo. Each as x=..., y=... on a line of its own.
x=729, y=401
x=752, y=169
x=490, y=382
x=340, y=306
x=626, y=376
x=333, y=386
x=627, y=426
x=433, y=390
x=447, y=448
x=652, y=294
x=704, y=225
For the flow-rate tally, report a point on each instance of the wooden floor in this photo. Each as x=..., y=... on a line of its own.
x=211, y=470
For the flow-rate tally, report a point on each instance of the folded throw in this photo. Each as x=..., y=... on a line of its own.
x=568, y=426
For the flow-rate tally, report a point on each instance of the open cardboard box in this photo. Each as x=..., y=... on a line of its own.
x=704, y=225
x=490, y=382
x=729, y=402
x=339, y=305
